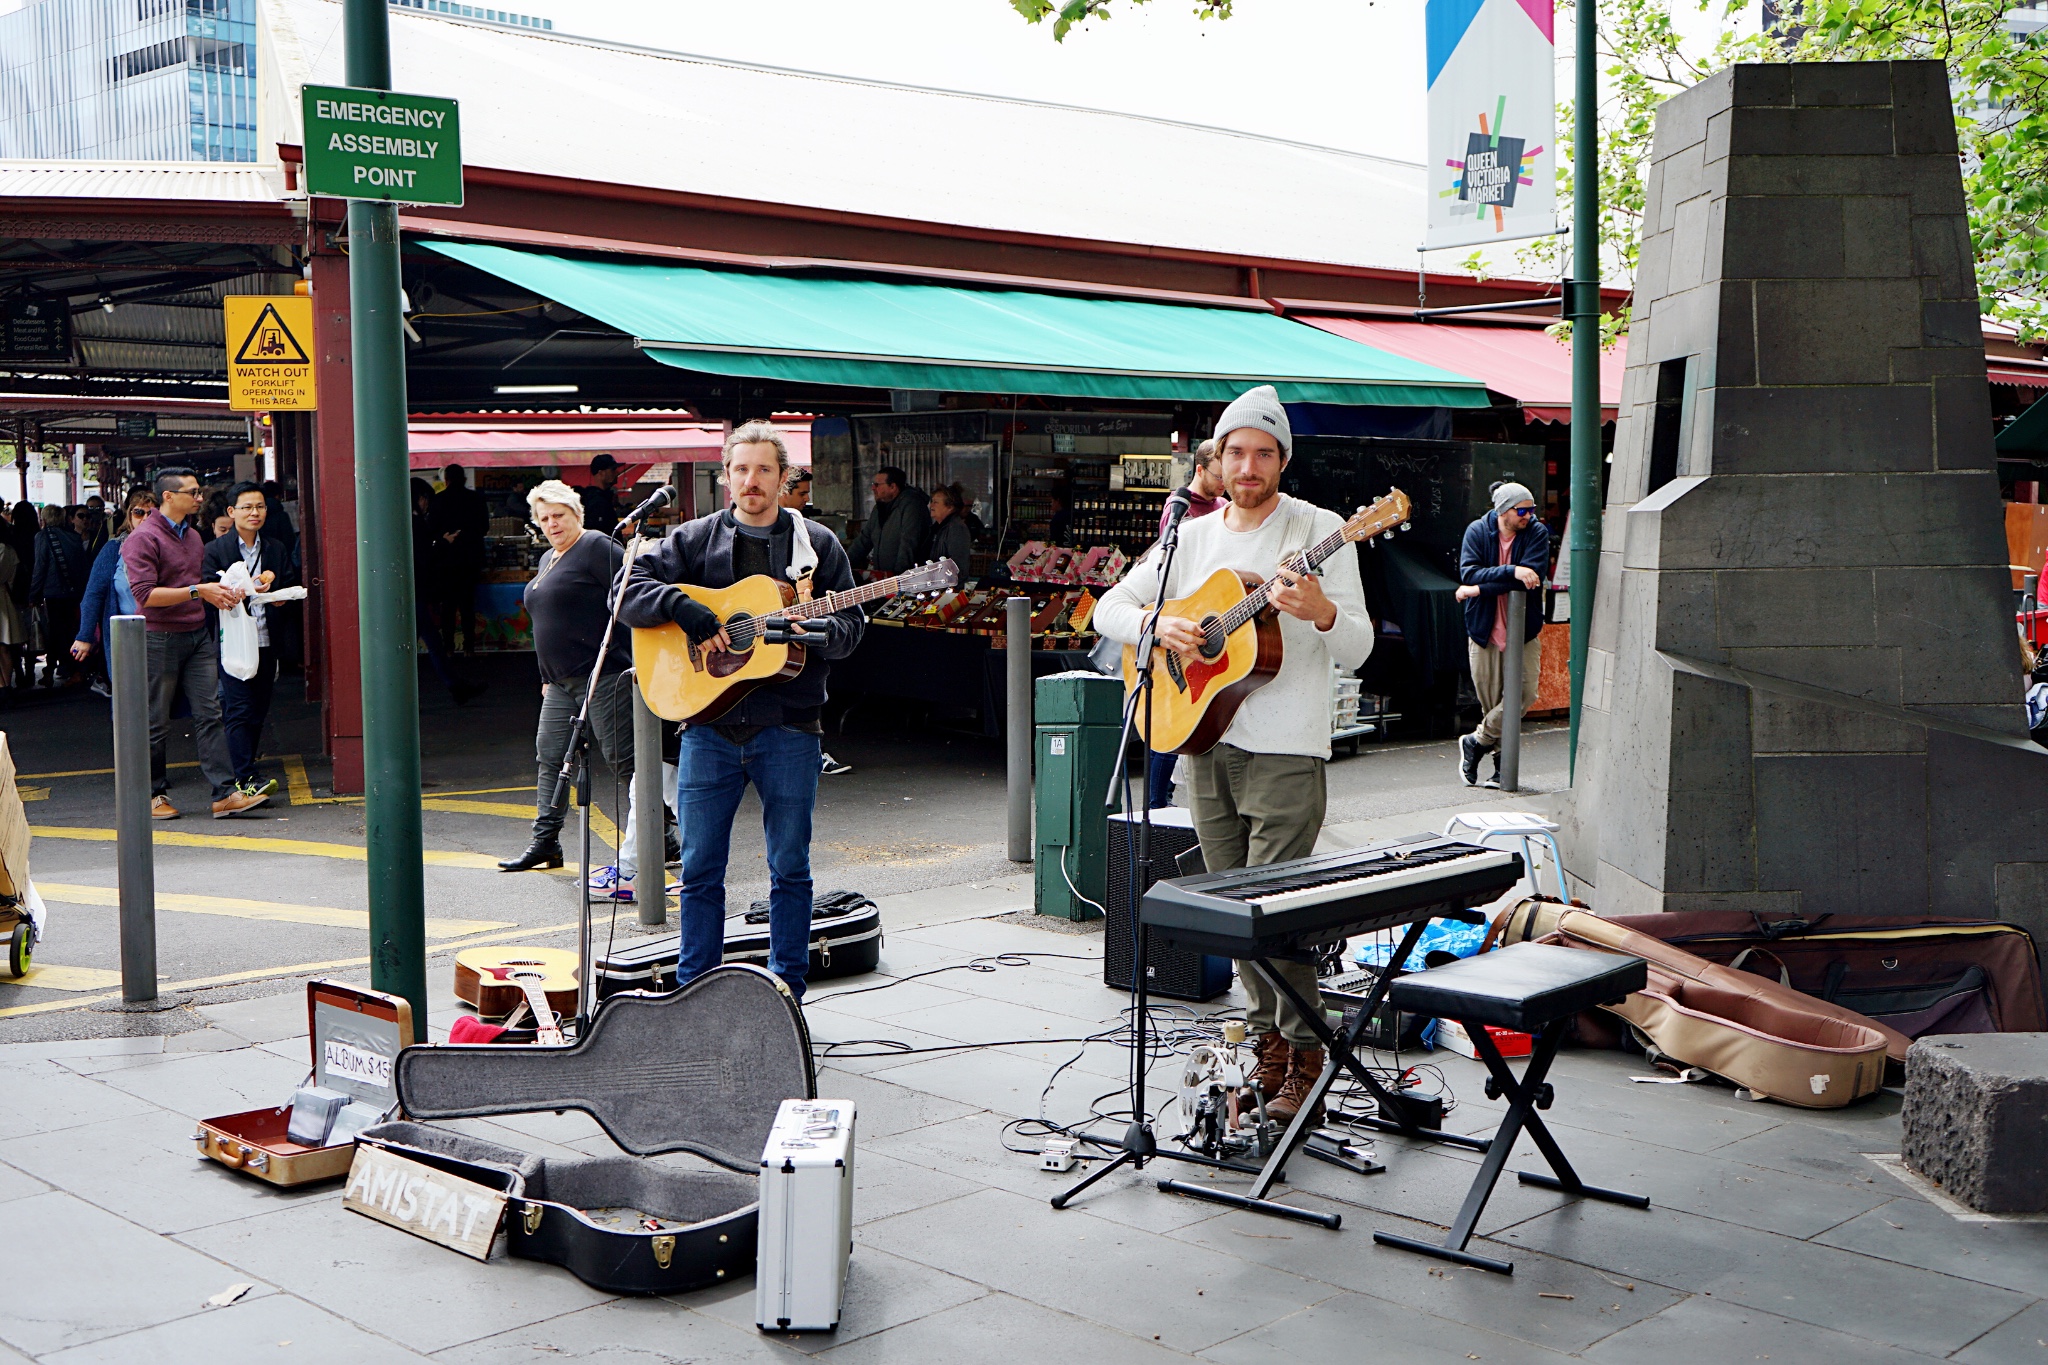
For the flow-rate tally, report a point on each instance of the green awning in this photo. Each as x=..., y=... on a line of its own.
x=872, y=334
x=2026, y=434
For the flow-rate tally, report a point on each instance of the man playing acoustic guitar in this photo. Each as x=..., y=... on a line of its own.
x=1258, y=795
x=771, y=737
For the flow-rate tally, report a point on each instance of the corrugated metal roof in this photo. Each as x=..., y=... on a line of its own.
x=187, y=180
x=550, y=104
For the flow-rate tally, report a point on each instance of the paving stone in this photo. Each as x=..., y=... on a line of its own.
x=879, y=999
x=999, y=1327
x=884, y=1186
x=2024, y=1336
x=622, y=1332
x=1910, y=1231
x=266, y=1019
x=1109, y=1273
x=93, y=1275
x=882, y=1291
x=1707, y=1332
x=277, y=1327
x=421, y=1295
x=212, y=1083
x=885, y=1108
x=56, y=1048
x=1804, y=1281
x=16, y=1183
x=48, y=1101
x=146, y=1168
x=1338, y=1328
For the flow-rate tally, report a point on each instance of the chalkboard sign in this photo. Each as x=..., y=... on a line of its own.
x=35, y=326
x=133, y=425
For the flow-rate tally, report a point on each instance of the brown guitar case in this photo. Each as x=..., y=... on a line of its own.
x=1768, y=1037
x=702, y=1070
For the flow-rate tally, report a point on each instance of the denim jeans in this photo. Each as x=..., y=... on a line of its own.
x=244, y=705
x=711, y=774
x=611, y=733
x=187, y=661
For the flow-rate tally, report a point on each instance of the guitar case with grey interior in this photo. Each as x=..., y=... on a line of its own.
x=846, y=940
x=700, y=1070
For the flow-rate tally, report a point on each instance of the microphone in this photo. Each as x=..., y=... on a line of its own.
x=1177, y=504
x=663, y=496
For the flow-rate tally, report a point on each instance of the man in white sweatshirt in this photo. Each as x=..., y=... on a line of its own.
x=1258, y=795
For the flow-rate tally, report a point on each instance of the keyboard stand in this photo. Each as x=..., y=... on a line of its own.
x=1341, y=1055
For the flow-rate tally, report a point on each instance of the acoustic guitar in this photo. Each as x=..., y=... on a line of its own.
x=498, y=980
x=1195, y=697
x=695, y=683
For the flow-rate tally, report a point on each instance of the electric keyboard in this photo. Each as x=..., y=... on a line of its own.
x=1293, y=906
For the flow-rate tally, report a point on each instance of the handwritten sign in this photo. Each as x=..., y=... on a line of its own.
x=414, y=1197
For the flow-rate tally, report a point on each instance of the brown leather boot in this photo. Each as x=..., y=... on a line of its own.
x=1305, y=1064
x=1270, y=1074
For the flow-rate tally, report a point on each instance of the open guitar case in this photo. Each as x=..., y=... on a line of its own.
x=702, y=1069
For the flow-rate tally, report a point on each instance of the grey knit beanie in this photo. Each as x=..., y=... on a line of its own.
x=1506, y=495
x=1258, y=408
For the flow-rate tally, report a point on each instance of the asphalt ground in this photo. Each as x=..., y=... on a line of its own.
x=253, y=905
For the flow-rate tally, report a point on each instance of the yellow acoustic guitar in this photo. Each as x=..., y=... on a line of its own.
x=1194, y=697
x=682, y=681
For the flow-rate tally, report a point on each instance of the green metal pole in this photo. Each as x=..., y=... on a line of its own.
x=391, y=700
x=1584, y=544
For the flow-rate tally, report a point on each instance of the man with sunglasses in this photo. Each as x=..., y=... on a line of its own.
x=1506, y=549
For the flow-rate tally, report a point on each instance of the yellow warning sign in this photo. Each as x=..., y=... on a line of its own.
x=270, y=352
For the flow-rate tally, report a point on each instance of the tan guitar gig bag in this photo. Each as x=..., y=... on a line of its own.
x=1776, y=1041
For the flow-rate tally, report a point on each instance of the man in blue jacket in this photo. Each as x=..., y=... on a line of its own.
x=1506, y=549
x=772, y=736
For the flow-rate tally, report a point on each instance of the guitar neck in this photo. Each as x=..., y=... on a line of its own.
x=840, y=601
x=547, y=1028
x=1258, y=598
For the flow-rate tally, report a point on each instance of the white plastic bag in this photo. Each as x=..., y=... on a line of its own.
x=240, y=649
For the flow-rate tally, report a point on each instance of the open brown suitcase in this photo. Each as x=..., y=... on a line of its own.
x=357, y=1034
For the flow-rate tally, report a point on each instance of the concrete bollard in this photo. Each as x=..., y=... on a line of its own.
x=1511, y=694
x=135, y=856
x=1017, y=723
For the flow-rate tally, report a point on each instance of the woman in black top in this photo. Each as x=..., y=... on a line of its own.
x=569, y=602
x=951, y=536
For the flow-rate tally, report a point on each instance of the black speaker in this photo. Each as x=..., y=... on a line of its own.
x=1171, y=971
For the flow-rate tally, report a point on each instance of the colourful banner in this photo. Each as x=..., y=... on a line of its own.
x=1492, y=158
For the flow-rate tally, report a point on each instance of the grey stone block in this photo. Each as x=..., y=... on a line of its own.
x=1736, y=521
x=1811, y=132
x=1917, y=364
x=1868, y=675
x=1976, y=1118
x=1762, y=83
x=1951, y=322
x=1925, y=123
x=1877, y=236
x=1831, y=83
x=1806, y=607
x=1784, y=724
x=1833, y=331
x=2020, y=891
x=1962, y=423
x=1990, y=795
x=1735, y=336
x=1941, y=254
x=1688, y=244
x=1686, y=615
x=1682, y=119
x=1785, y=238
x=1847, y=831
x=1937, y=617
x=1821, y=430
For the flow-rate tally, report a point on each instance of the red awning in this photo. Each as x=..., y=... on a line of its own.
x=2004, y=370
x=1524, y=363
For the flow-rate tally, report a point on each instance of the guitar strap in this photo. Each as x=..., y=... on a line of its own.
x=803, y=556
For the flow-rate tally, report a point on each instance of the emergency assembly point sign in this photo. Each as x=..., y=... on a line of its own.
x=270, y=352
x=378, y=144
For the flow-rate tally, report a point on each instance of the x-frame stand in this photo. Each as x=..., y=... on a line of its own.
x=1341, y=1055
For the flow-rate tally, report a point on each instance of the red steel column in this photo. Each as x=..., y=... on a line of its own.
x=333, y=470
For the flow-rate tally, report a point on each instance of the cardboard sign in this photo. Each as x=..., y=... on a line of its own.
x=414, y=1197
x=270, y=352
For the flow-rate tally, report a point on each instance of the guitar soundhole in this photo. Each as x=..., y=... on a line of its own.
x=1214, y=641
x=725, y=663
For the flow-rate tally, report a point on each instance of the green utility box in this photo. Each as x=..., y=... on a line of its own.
x=1077, y=719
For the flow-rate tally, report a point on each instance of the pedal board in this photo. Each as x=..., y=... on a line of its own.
x=1342, y=1151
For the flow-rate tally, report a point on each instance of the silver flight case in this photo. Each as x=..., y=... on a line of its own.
x=806, y=1227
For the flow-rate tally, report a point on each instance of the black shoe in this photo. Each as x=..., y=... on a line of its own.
x=539, y=853
x=1470, y=751
x=1493, y=779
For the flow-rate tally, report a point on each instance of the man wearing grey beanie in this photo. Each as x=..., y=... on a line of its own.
x=1505, y=550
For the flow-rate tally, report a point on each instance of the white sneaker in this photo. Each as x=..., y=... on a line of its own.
x=830, y=766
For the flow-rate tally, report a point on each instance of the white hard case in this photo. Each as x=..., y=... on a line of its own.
x=806, y=1217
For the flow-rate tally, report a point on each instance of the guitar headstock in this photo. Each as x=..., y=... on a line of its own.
x=1385, y=515
x=936, y=576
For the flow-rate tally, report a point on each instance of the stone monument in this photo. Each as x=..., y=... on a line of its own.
x=1804, y=689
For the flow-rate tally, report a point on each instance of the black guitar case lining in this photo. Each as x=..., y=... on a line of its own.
x=701, y=1070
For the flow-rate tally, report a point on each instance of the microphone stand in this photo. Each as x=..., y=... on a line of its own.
x=576, y=765
x=1139, y=1143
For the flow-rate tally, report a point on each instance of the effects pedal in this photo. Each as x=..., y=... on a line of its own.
x=1057, y=1155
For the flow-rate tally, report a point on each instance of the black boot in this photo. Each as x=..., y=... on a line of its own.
x=539, y=853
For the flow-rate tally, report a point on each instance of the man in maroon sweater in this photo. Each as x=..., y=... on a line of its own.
x=162, y=557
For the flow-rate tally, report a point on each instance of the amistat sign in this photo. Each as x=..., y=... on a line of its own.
x=1492, y=159
x=379, y=144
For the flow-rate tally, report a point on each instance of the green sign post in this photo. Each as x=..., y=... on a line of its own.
x=377, y=144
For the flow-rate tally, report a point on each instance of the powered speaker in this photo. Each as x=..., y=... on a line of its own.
x=1171, y=971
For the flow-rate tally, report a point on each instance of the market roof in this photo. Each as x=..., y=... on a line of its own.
x=1525, y=363
x=189, y=181
x=872, y=334
x=546, y=103
x=569, y=446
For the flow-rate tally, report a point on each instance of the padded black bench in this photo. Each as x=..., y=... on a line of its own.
x=1532, y=988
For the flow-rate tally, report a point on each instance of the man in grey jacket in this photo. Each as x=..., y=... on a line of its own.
x=897, y=531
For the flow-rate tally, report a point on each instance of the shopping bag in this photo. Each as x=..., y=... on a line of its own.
x=240, y=647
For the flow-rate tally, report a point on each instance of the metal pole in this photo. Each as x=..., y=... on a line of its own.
x=128, y=669
x=650, y=883
x=391, y=711
x=1583, y=308
x=1017, y=723
x=1511, y=694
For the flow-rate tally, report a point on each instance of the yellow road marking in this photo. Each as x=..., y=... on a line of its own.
x=33, y=793
x=312, y=848
x=280, y=911
x=299, y=789
x=54, y=978
x=259, y=973
x=486, y=791
x=84, y=772
x=601, y=824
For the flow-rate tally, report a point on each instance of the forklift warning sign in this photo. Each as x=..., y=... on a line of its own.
x=270, y=352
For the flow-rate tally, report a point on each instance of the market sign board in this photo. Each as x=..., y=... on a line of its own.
x=35, y=326
x=270, y=352
x=379, y=144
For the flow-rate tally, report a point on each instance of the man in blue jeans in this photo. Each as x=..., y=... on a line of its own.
x=772, y=736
